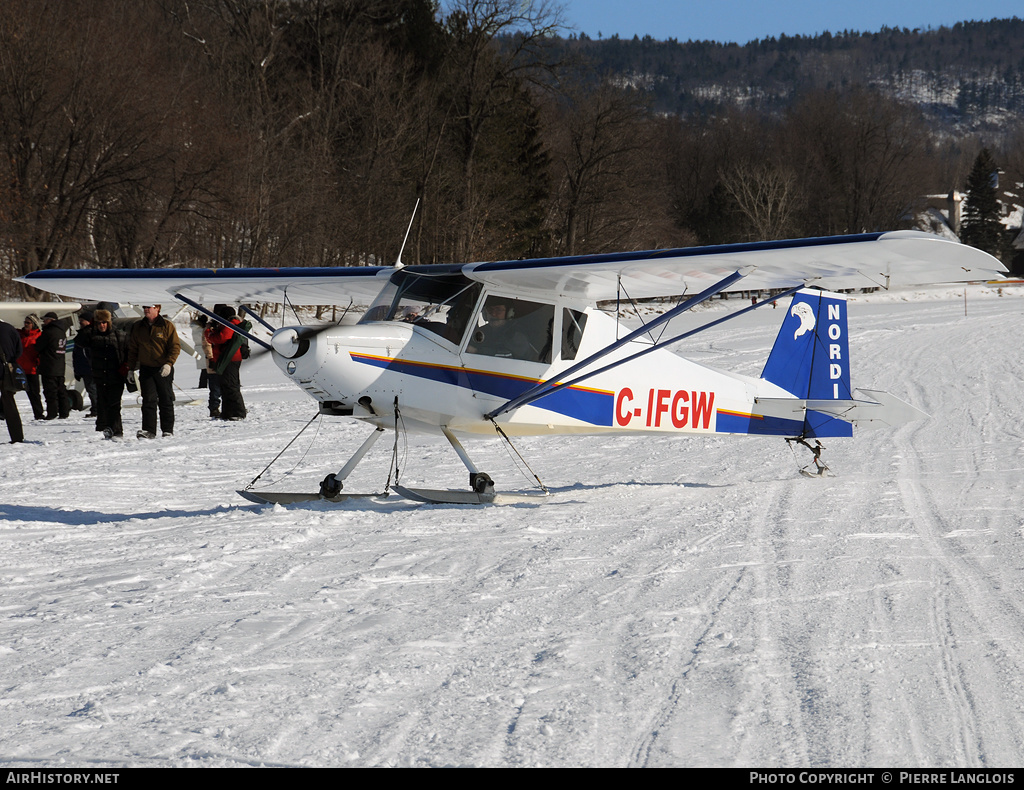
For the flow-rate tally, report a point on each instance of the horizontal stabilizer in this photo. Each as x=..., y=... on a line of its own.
x=14, y=312
x=875, y=410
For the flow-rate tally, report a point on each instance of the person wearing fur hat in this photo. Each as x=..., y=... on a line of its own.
x=52, y=345
x=108, y=355
x=29, y=363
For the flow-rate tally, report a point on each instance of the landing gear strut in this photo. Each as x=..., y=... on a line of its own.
x=480, y=482
x=331, y=485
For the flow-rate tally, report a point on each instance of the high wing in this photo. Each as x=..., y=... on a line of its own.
x=298, y=285
x=835, y=262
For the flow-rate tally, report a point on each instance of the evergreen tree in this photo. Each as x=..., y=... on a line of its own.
x=981, y=227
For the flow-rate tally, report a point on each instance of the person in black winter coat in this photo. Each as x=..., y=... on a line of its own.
x=80, y=358
x=10, y=346
x=52, y=344
x=108, y=356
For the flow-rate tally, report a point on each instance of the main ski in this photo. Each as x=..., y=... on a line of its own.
x=436, y=496
x=291, y=498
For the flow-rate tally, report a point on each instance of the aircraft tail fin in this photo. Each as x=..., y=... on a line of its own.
x=810, y=358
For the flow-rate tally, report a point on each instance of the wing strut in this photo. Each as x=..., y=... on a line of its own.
x=546, y=387
x=236, y=329
x=243, y=310
x=675, y=339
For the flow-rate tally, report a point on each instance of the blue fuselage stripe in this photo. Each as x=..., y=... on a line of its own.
x=590, y=406
x=729, y=422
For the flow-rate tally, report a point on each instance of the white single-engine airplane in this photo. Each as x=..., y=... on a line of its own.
x=520, y=348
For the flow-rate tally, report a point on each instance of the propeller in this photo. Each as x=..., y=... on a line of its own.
x=292, y=341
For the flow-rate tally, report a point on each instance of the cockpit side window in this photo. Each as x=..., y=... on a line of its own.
x=514, y=329
x=573, y=324
x=442, y=304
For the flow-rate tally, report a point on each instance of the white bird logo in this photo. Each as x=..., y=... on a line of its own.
x=803, y=311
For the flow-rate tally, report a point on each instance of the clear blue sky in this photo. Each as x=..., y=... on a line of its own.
x=744, y=20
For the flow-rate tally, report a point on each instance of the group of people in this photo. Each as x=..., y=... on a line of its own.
x=105, y=358
x=38, y=349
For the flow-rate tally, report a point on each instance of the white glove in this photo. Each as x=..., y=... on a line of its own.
x=165, y=371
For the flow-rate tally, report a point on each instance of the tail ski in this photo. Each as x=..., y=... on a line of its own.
x=811, y=359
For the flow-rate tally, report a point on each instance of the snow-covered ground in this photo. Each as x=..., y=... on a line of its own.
x=680, y=602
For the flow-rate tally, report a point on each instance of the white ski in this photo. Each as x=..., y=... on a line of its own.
x=293, y=497
x=436, y=496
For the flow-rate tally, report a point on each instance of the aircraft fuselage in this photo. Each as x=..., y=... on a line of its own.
x=368, y=369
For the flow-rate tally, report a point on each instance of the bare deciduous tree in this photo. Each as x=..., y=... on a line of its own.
x=858, y=157
x=92, y=142
x=495, y=45
x=765, y=195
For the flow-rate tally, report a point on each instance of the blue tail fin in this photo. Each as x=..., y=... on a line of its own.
x=811, y=357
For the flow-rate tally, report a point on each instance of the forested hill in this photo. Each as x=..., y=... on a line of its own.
x=968, y=77
x=280, y=132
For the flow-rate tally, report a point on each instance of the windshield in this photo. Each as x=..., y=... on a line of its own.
x=441, y=303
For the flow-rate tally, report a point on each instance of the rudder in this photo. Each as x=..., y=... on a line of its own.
x=810, y=358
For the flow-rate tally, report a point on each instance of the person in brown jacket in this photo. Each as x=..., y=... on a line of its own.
x=153, y=346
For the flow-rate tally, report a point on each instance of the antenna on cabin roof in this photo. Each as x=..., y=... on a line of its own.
x=398, y=263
